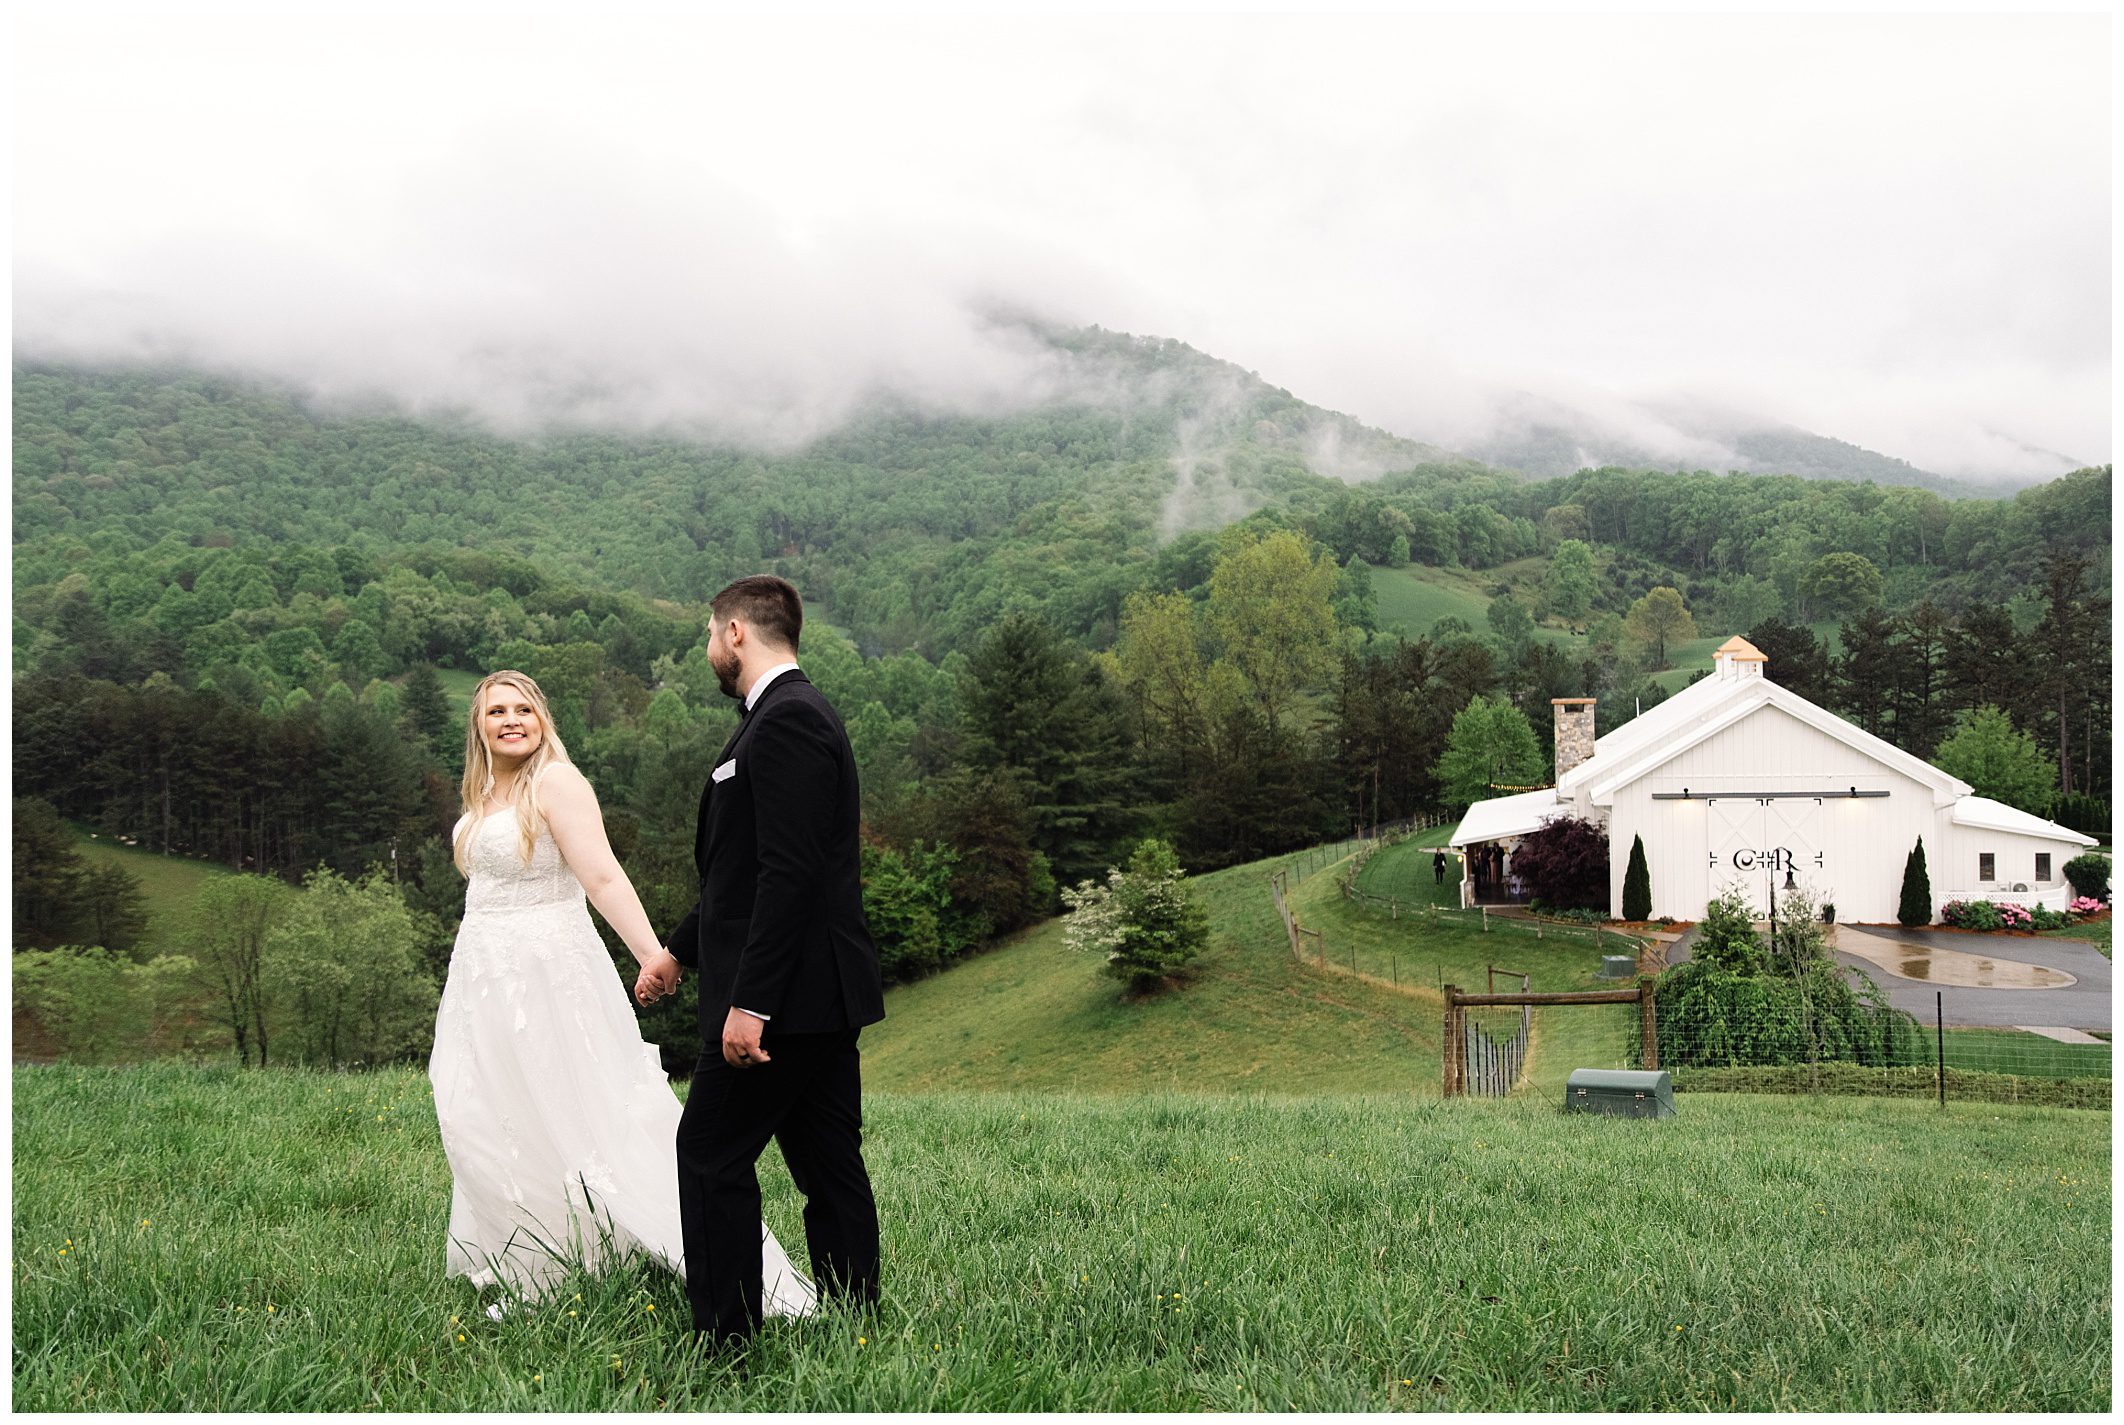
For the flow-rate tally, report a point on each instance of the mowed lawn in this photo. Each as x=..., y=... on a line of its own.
x=1033, y=1015
x=169, y=884
x=1251, y=1018
x=214, y=1239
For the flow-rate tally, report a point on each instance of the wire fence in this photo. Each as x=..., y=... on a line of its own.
x=1761, y=1044
x=1871, y=1050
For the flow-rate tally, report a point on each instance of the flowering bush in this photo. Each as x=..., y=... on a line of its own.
x=2086, y=905
x=1145, y=921
x=1998, y=915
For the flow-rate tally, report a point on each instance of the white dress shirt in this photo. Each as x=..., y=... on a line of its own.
x=760, y=683
x=759, y=686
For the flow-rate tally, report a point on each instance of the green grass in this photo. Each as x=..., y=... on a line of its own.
x=2009, y=1051
x=1404, y=871
x=1410, y=600
x=1418, y=953
x=2094, y=932
x=1033, y=1015
x=459, y=683
x=209, y=1239
x=168, y=883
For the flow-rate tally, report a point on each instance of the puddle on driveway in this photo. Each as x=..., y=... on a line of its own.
x=1949, y=967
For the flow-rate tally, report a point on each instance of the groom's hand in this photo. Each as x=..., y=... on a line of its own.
x=741, y=1040
x=658, y=978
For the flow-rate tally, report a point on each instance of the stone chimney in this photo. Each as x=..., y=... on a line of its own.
x=1574, y=732
x=1738, y=658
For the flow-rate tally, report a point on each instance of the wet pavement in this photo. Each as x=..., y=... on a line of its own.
x=1901, y=962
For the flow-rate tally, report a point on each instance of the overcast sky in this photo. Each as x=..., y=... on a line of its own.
x=1893, y=230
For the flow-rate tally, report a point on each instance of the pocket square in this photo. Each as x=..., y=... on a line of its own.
x=725, y=772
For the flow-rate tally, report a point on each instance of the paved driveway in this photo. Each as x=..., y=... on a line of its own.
x=2081, y=1005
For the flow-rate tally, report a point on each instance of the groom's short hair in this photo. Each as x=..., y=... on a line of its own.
x=769, y=604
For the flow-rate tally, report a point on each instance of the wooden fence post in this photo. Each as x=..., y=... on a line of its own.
x=1649, y=1022
x=1451, y=1044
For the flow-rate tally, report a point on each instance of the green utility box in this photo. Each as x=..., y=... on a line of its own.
x=1627, y=1093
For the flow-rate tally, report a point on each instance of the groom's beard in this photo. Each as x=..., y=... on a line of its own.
x=726, y=676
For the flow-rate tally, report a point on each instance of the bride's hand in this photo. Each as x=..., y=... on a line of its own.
x=659, y=977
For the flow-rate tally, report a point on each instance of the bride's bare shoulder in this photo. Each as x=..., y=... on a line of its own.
x=566, y=779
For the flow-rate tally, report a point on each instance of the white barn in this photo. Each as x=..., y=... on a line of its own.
x=1737, y=781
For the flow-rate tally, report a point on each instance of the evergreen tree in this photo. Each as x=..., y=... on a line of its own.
x=1044, y=712
x=1637, y=884
x=1916, y=907
x=49, y=875
x=1798, y=660
x=1865, y=674
x=424, y=712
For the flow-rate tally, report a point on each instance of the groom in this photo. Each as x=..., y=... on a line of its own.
x=788, y=977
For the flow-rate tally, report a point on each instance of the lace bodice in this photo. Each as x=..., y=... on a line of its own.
x=500, y=879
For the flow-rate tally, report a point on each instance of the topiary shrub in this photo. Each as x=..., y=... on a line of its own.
x=2089, y=875
x=1637, y=884
x=1916, y=907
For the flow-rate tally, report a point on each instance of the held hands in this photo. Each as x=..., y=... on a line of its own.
x=659, y=977
x=741, y=1040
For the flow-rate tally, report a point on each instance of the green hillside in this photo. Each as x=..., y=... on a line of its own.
x=1032, y=1015
x=169, y=883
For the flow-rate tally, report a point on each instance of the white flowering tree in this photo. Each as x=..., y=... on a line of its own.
x=1144, y=921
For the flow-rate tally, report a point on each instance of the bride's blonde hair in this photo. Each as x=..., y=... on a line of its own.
x=478, y=782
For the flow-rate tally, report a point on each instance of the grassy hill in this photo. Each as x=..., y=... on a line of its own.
x=169, y=883
x=1032, y=1015
x=211, y=1239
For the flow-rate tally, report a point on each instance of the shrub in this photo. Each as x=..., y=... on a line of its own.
x=1565, y=863
x=2048, y=919
x=1710, y=1016
x=98, y=1004
x=343, y=973
x=2089, y=875
x=1973, y=915
x=1637, y=884
x=2086, y=905
x=1144, y=920
x=1726, y=936
x=1916, y=906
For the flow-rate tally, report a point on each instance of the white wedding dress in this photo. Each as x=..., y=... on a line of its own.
x=559, y=1126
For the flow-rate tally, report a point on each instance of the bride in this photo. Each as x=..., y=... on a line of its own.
x=556, y=1118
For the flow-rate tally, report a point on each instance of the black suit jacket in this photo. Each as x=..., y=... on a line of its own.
x=779, y=926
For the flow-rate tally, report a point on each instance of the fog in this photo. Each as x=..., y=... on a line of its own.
x=1892, y=230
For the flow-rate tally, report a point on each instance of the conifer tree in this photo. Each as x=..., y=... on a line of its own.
x=1916, y=908
x=1637, y=884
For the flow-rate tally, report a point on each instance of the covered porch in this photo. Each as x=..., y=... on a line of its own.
x=1486, y=838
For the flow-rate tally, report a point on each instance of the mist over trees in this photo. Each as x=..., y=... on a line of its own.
x=239, y=627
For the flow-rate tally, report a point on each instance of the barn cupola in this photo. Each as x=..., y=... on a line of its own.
x=1738, y=658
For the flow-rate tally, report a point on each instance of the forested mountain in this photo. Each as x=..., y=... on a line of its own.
x=1149, y=605
x=1547, y=438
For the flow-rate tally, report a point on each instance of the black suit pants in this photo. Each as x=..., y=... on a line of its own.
x=809, y=1098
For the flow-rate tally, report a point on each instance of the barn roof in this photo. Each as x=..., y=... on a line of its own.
x=1989, y=815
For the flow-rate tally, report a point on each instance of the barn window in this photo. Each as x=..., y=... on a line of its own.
x=1987, y=866
x=2042, y=865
